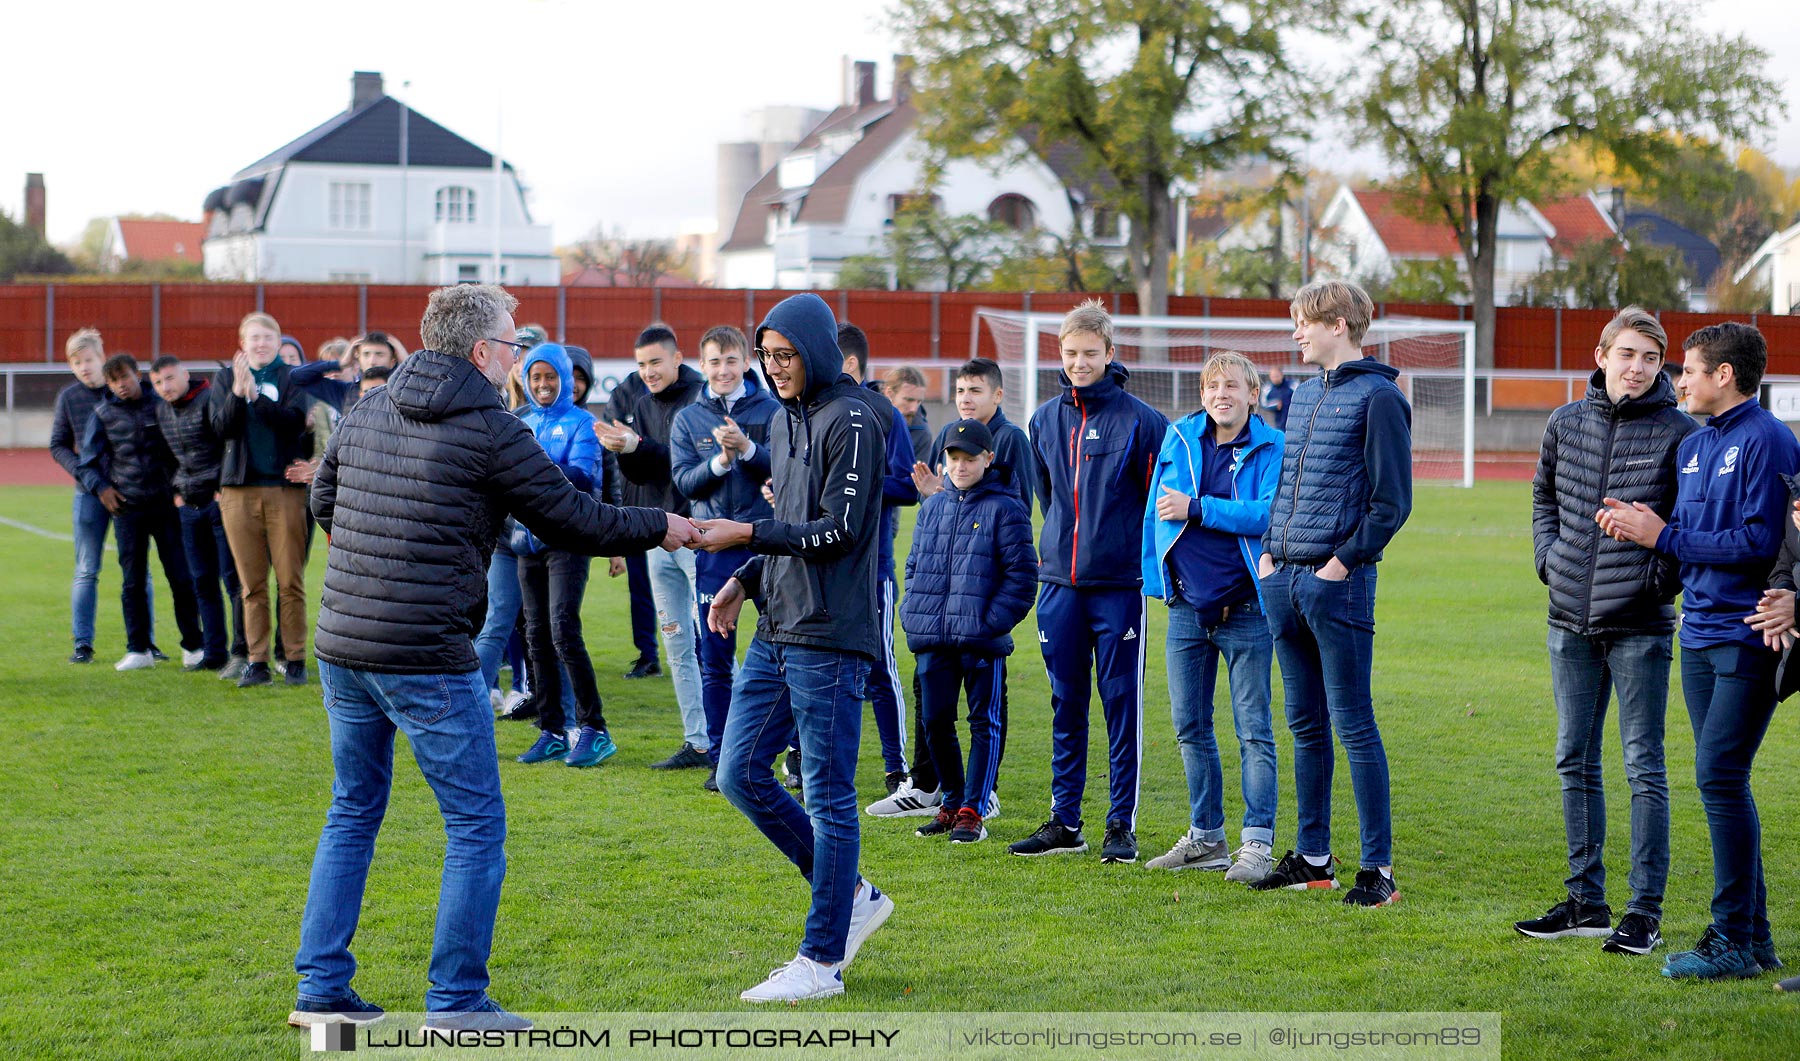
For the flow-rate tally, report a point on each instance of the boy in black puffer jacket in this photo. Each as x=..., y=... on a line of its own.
x=969, y=581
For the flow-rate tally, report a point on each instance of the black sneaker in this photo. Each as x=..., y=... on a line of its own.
x=351, y=1009
x=1571, y=917
x=1295, y=873
x=158, y=654
x=1120, y=844
x=255, y=674
x=1372, y=888
x=295, y=672
x=1636, y=934
x=82, y=654
x=938, y=826
x=645, y=667
x=790, y=770
x=894, y=779
x=711, y=784
x=1051, y=838
x=687, y=757
x=1763, y=950
x=208, y=663
x=524, y=711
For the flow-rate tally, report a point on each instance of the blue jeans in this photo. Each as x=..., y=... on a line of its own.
x=718, y=655
x=447, y=721
x=1584, y=673
x=672, y=584
x=814, y=695
x=1325, y=639
x=643, y=605
x=90, y=520
x=209, y=560
x=1730, y=693
x=502, y=616
x=1193, y=652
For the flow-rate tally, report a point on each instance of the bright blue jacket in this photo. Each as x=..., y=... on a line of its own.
x=972, y=572
x=1094, y=451
x=1254, y=479
x=736, y=495
x=565, y=431
x=1731, y=510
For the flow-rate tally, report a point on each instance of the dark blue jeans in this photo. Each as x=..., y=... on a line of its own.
x=135, y=527
x=1325, y=639
x=451, y=730
x=718, y=655
x=643, y=605
x=1730, y=693
x=1584, y=673
x=209, y=561
x=814, y=695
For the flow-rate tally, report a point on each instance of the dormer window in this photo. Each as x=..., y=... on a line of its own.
x=1014, y=211
x=456, y=205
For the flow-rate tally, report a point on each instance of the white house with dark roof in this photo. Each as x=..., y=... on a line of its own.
x=1775, y=267
x=377, y=194
x=834, y=194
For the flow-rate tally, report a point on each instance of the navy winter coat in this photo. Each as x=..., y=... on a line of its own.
x=972, y=573
x=736, y=495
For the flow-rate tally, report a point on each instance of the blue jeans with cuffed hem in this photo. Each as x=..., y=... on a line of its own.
x=815, y=696
x=451, y=730
x=1325, y=639
x=1584, y=674
x=1193, y=651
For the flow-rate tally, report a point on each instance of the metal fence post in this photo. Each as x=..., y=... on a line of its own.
x=562, y=313
x=750, y=312
x=155, y=320
x=1559, y=338
x=259, y=298
x=49, y=324
x=656, y=303
x=362, y=309
x=937, y=317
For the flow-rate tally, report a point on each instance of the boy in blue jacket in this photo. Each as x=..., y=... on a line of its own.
x=1094, y=449
x=1731, y=507
x=1203, y=528
x=719, y=456
x=552, y=582
x=968, y=583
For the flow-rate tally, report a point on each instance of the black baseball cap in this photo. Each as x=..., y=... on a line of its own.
x=969, y=436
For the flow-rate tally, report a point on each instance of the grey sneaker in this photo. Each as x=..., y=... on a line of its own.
x=1252, y=863
x=233, y=669
x=1189, y=853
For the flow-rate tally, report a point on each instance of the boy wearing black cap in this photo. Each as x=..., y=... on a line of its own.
x=970, y=579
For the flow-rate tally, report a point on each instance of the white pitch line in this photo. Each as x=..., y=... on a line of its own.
x=39, y=531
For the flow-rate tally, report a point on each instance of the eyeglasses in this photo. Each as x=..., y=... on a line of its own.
x=782, y=358
x=519, y=349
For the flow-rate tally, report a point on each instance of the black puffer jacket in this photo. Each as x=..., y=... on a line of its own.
x=413, y=490
x=648, y=477
x=187, y=428
x=1595, y=449
x=124, y=449
x=826, y=456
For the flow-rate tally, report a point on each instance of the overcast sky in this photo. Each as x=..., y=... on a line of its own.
x=610, y=110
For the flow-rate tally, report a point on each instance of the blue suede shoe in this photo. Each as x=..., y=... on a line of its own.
x=351, y=1009
x=548, y=746
x=1713, y=958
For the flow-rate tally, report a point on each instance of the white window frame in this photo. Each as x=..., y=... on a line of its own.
x=455, y=205
x=350, y=206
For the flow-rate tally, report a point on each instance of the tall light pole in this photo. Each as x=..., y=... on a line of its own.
x=405, y=157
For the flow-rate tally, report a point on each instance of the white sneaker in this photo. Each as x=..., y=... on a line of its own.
x=907, y=802
x=993, y=810
x=192, y=657
x=495, y=699
x=135, y=661
x=798, y=981
x=868, y=912
x=1252, y=863
x=513, y=699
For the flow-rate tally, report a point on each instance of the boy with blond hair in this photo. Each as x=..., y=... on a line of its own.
x=1346, y=489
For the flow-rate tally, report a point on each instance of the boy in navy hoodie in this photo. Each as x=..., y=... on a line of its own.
x=1094, y=448
x=1731, y=507
x=968, y=583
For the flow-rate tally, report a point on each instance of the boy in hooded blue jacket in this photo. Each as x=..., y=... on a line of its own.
x=552, y=582
x=1203, y=526
x=969, y=581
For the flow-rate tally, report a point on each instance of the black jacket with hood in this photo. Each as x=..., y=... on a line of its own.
x=1594, y=449
x=827, y=454
x=413, y=489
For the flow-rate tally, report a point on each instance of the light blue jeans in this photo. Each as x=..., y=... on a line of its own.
x=90, y=519
x=1193, y=652
x=672, y=584
x=447, y=721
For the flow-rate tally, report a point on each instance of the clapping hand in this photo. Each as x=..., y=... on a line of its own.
x=1636, y=522
x=925, y=480
x=733, y=443
x=1774, y=618
x=243, y=378
x=616, y=437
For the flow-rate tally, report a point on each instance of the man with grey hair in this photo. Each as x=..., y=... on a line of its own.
x=412, y=490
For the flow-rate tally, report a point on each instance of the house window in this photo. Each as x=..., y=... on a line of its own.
x=350, y=206
x=897, y=203
x=1014, y=211
x=468, y=274
x=456, y=205
x=1106, y=224
x=343, y=277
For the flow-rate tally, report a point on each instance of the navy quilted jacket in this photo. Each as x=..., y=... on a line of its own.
x=972, y=572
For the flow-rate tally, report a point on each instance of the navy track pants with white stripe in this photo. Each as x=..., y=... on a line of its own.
x=1077, y=629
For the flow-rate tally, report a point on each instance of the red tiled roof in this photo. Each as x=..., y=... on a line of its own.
x=1405, y=236
x=160, y=241
x=1577, y=220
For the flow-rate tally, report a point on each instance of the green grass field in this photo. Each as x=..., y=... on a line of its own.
x=159, y=827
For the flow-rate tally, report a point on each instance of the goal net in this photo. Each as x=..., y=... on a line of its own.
x=1436, y=360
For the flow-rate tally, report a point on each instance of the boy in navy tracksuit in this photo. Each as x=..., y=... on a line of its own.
x=1731, y=508
x=719, y=456
x=1095, y=452
x=968, y=583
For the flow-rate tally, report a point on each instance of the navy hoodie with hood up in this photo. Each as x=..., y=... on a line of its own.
x=827, y=452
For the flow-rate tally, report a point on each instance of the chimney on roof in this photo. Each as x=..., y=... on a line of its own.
x=365, y=88
x=1617, y=207
x=865, y=85
x=903, y=78
x=34, y=203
